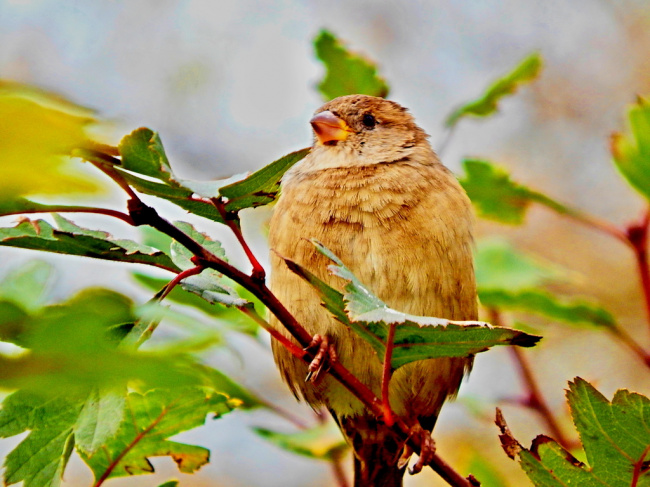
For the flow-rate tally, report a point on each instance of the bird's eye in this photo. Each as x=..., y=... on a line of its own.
x=369, y=120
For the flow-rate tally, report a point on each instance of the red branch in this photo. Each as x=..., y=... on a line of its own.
x=637, y=234
x=387, y=372
x=178, y=278
x=233, y=224
x=75, y=209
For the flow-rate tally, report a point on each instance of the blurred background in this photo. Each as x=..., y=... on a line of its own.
x=230, y=86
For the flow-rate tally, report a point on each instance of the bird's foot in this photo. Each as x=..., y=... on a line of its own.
x=427, y=448
x=324, y=356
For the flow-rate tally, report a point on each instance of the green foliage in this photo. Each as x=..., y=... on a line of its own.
x=70, y=239
x=416, y=337
x=615, y=436
x=81, y=382
x=153, y=418
x=348, y=73
x=496, y=197
x=509, y=280
x=632, y=152
x=261, y=187
x=142, y=152
x=573, y=311
x=487, y=104
x=322, y=442
x=229, y=316
x=499, y=266
x=40, y=459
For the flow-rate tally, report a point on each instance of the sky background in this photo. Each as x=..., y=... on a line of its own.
x=230, y=86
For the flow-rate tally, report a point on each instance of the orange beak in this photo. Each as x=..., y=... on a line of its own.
x=329, y=128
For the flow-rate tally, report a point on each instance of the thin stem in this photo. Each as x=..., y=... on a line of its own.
x=637, y=235
x=535, y=399
x=627, y=340
x=75, y=209
x=128, y=448
x=638, y=467
x=444, y=140
x=105, y=163
x=233, y=224
x=288, y=344
x=596, y=223
x=387, y=372
x=178, y=278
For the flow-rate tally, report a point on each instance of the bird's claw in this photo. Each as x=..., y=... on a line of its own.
x=325, y=356
x=427, y=448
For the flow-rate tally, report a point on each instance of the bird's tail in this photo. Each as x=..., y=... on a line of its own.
x=377, y=451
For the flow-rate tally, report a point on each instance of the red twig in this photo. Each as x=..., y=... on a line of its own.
x=75, y=209
x=534, y=400
x=295, y=350
x=128, y=448
x=637, y=234
x=638, y=467
x=178, y=278
x=628, y=341
x=387, y=372
x=233, y=224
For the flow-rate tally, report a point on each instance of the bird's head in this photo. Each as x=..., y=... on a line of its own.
x=360, y=129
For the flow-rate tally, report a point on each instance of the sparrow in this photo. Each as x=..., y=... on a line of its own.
x=373, y=191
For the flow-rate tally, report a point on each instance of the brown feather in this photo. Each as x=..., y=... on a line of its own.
x=383, y=203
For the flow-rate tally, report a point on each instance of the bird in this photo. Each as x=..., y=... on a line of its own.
x=373, y=191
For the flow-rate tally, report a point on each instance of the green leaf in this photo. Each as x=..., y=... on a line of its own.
x=323, y=442
x=416, y=337
x=13, y=319
x=99, y=418
x=348, y=73
x=547, y=464
x=527, y=70
x=155, y=238
x=169, y=483
x=615, y=436
x=261, y=187
x=153, y=418
x=631, y=152
x=209, y=284
x=73, y=346
x=232, y=317
x=572, y=311
x=183, y=257
x=177, y=195
x=40, y=459
x=73, y=240
x=142, y=152
x=500, y=266
x=28, y=286
x=497, y=197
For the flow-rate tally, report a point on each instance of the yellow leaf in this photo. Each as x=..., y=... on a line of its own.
x=36, y=138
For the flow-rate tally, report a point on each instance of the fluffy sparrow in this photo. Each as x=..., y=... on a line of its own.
x=373, y=191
